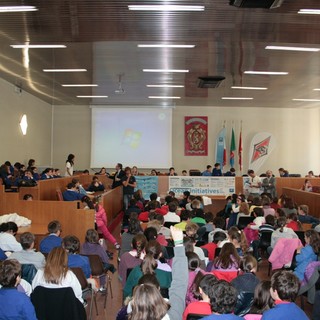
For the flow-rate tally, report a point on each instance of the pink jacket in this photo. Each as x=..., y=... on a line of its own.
x=101, y=216
x=283, y=252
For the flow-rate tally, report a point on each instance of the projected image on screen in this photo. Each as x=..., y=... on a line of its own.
x=131, y=136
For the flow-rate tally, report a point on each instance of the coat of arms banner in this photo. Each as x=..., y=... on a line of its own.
x=195, y=136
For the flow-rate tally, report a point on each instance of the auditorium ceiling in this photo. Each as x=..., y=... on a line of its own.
x=103, y=38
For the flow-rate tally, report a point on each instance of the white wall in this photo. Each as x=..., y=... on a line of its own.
x=37, y=143
x=296, y=131
x=71, y=134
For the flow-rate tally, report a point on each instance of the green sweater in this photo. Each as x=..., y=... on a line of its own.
x=163, y=277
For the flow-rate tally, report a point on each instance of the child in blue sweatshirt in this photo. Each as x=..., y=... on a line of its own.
x=284, y=290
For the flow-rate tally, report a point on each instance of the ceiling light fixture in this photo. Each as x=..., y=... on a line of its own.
x=165, y=8
x=187, y=46
x=166, y=70
x=64, y=70
x=271, y=73
x=249, y=88
x=163, y=97
x=292, y=48
x=79, y=85
x=307, y=100
x=165, y=86
x=17, y=8
x=236, y=98
x=92, y=96
x=309, y=11
x=316, y=89
x=37, y=46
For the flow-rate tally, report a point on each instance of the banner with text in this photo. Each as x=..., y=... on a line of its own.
x=147, y=184
x=204, y=186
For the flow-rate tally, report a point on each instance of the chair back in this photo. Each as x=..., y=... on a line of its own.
x=81, y=277
x=169, y=224
x=300, y=235
x=58, y=303
x=244, y=221
x=59, y=195
x=306, y=226
x=170, y=252
x=28, y=272
x=97, y=268
x=244, y=303
x=217, y=252
x=265, y=239
x=194, y=316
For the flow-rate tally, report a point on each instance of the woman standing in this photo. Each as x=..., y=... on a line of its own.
x=69, y=165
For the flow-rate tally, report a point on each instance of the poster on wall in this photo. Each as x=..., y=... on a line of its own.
x=204, y=186
x=147, y=184
x=195, y=136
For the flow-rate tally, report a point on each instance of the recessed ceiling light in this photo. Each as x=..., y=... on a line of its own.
x=292, y=48
x=79, y=85
x=309, y=11
x=307, y=100
x=166, y=70
x=163, y=97
x=165, y=8
x=165, y=86
x=236, y=98
x=166, y=46
x=37, y=46
x=249, y=88
x=92, y=96
x=17, y=8
x=64, y=70
x=272, y=73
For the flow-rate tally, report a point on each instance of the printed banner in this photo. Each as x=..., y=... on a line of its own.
x=261, y=147
x=195, y=136
x=204, y=186
x=148, y=185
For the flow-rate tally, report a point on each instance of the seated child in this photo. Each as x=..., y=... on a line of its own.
x=202, y=306
x=284, y=290
x=262, y=301
x=13, y=304
x=223, y=298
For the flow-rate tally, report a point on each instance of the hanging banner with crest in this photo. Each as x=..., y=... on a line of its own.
x=195, y=136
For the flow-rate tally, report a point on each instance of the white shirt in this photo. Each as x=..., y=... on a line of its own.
x=171, y=217
x=255, y=181
x=69, y=281
x=9, y=243
x=70, y=167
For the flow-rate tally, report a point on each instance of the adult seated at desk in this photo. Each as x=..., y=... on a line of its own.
x=28, y=255
x=8, y=242
x=102, y=172
x=53, y=240
x=71, y=194
x=96, y=185
x=207, y=172
x=217, y=172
